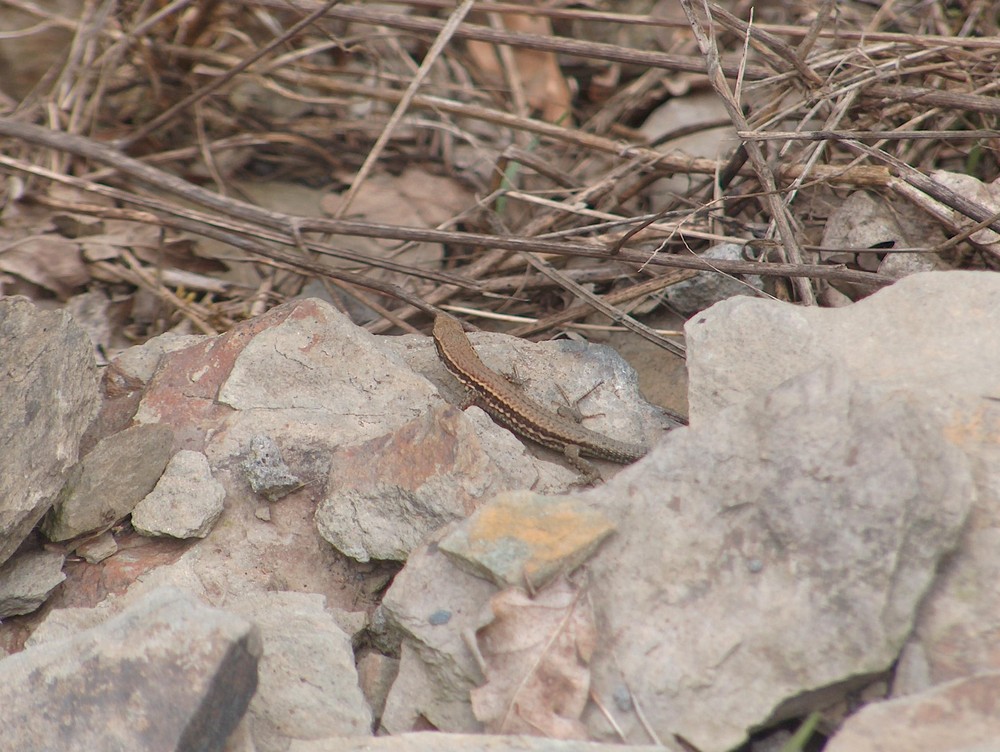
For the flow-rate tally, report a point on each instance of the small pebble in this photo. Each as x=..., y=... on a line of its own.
x=439, y=617
x=622, y=698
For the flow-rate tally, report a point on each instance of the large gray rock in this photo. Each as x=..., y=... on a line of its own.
x=48, y=396
x=167, y=674
x=935, y=331
x=106, y=485
x=773, y=557
x=933, y=335
x=763, y=564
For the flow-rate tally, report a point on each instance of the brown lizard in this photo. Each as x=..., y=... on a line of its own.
x=509, y=406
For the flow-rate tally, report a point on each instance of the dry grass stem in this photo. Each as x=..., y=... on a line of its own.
x=184, y=116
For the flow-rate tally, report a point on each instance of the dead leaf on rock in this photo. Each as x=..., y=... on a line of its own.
x=537, y=656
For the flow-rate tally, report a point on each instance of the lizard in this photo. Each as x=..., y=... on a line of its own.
x=510, y=407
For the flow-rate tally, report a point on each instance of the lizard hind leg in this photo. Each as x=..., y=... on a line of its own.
x=589, y=472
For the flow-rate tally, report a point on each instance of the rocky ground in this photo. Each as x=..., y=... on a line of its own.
x=289, y=537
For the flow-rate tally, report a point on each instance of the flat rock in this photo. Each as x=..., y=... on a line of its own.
x=185, y=673
x=48, y=397
x=523, y=539
x=766, y=563
x=386, y=495
x=308, y=685
x=106, y=485
x=437, y=742
x=435, y=607
x=934, y=331
x=957, y=716
x=185, y=502
x=932, y=334
x=27, y=579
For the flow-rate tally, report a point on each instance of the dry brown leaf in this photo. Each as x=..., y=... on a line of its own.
x=48, y=261
x=537, y=655
x=545, y=87
x=416, y=198
x=181, y=253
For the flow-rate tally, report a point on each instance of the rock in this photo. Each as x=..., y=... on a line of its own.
x=186, y=501
x=98, y=548
x=26, y=581
x=957, y=716
x=266, y=471
x=185, y=673
x=707, y=288
x=106, y=485
x=680, y=113
x=899, y=265
x=141, y=361
x=524, y=539
x=301, y=374
x=551, y=373
x=916, y=334
x=65, y=623
x=934, y=336
x=812, y=551
x=376, y=673
x=959, y=626
x=879, y=223
x=436, y=742
x=386, y=495
x=806, y=545
x=308, y=685
x=430, y=691
x=123, y=383
x=48, y=396
x=435, y=607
